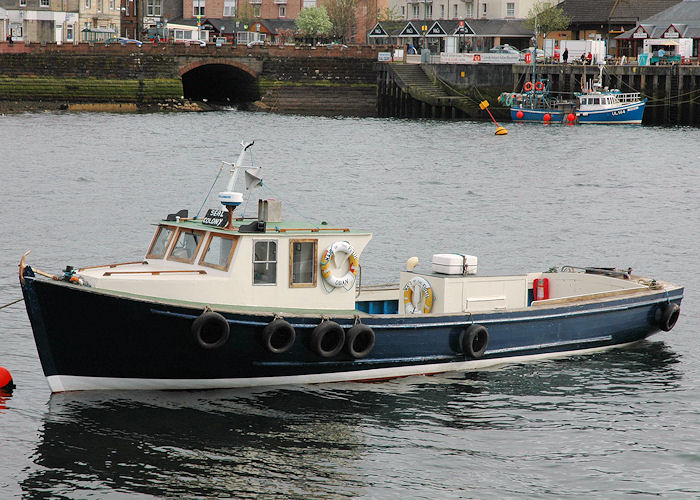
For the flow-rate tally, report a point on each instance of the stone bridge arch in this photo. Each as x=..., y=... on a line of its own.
x=220, y=80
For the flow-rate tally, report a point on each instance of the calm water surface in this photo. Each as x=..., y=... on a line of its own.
x=83, y=189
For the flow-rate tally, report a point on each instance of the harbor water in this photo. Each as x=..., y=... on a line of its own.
x=84, y=189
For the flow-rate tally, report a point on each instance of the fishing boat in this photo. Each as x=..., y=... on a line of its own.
x=598, y=104
x=537, y=104
x=221, y=301
x=595, y=104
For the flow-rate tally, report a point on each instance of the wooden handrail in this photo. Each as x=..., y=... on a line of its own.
x=113, y=265
x=155, y=273
x=312, y=229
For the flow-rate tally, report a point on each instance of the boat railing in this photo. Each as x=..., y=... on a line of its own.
x=628, y=97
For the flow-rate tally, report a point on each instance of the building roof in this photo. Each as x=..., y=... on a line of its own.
x=612, y=11
x=684, y=16
x=685, y=12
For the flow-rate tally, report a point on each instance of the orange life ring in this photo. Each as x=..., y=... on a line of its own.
x=539, y=86
x=527, y=87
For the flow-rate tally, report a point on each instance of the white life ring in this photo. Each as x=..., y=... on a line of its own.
x=418, y=296
x=348, y=280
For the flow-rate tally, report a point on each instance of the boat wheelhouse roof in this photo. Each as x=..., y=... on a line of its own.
x=289, y=227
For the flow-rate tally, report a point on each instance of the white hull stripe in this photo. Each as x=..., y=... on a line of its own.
x=61, y=383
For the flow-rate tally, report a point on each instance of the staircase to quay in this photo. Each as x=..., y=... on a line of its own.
x=406, y=91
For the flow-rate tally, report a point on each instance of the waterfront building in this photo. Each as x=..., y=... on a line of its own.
x=39, y=20
x=98, y=19
x=461, y=9
x=606, y=19
x=679, y=21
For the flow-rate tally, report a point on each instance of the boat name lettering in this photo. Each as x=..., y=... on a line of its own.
x=619, y=112
x=216, y=217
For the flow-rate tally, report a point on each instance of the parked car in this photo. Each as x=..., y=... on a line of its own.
x=504, y=49
x=540, y=54
x=255, y=43
x=123, y=41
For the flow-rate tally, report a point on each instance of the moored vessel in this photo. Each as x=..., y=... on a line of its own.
x=220, y=302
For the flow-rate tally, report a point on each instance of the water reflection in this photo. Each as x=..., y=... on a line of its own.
x=334, y=440
x=4, y=397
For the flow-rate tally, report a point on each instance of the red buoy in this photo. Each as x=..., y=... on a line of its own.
x=571, y=117
x=547, y=117
x=519, y=115
x=6, y=383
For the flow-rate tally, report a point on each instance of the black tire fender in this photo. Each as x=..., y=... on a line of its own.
x=327, y=339
x=359, y=341
x=278, y=336
x=667, y=315
x=474, y=340
x=210, y=330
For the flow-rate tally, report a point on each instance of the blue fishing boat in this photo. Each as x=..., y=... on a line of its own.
x=598, y=104
x=220, y=301
x=537, y=104
x=594, y=104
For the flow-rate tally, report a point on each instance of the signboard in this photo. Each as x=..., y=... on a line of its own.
x=671, y=33
x=409, y=30
x=384, y=56
x=640, y=33
x=464, y=29
x=216, y=217
x=478, y=58
x=378, y=31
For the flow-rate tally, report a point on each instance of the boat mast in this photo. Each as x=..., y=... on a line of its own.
x=229, y=198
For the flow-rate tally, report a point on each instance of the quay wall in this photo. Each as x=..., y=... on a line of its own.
x=321, y=80
x=288, y=78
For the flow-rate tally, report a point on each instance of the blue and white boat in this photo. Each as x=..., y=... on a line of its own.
x=225, y=302
x=598, y=104
x=595, y=104
x=537, y=104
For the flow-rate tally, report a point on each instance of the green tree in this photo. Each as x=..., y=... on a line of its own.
x=389, y=14
x=545, y=17
x=343, y=17
x=313, y=21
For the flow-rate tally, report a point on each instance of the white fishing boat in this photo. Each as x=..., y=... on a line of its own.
x=222, y=302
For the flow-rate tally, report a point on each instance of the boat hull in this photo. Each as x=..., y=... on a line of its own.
x=536, y=115
x=624, y=114
x=92, y=340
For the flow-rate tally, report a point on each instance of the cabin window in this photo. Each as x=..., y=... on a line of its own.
x=160, y=243
x=302, y=263
x=265, y=262
x=595, y=100
x=218, y=251
x=186, y=245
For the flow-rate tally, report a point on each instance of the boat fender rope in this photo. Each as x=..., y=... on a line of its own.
x=327, y=339
x=474, y=340
x=278, y=335
x=210, y=330
x=359, y=341
x=667, y=315
x=11, y=303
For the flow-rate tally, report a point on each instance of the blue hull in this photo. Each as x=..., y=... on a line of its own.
x=118, y=342
x=536, y=115
x=628, y=113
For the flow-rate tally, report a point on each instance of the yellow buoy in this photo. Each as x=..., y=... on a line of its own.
x=501, y=131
